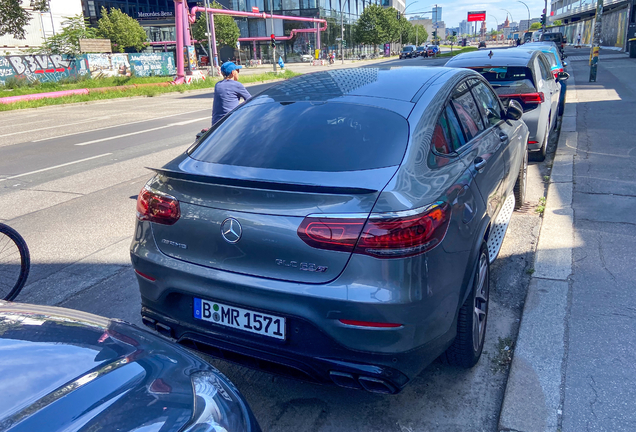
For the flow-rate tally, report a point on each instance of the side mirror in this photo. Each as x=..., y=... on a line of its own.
x=514, y=110
x=563, y=76
x=565, y=64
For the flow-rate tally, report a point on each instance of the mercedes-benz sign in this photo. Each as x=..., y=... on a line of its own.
x=231, y=230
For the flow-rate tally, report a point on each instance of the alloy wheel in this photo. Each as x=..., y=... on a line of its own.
x=481, y=303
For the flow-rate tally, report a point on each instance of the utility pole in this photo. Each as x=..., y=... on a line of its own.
x=207, y=25
x=545, y=13
x=271, y=11
x=596, y=41
x=341, y=34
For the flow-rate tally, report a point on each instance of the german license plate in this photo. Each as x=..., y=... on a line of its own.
x=239, y=318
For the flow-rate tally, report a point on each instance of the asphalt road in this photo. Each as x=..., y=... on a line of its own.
x=69, y=176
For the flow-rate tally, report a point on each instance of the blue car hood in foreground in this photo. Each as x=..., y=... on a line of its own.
x=65, y=370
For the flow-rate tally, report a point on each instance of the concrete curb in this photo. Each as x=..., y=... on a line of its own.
x=533, y=397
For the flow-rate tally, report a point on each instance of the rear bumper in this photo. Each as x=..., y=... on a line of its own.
x=536, y=127
x=307, y=354
x=318, y=347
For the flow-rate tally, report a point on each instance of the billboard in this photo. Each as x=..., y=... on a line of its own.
x=477, y=16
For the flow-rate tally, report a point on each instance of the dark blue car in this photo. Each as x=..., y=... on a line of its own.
x=65, y=370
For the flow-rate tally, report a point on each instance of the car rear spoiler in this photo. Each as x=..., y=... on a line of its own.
x=261, y=184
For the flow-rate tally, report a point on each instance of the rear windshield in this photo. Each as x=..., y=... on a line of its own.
x=552, y=37
x=307, y=136
x=507, y=76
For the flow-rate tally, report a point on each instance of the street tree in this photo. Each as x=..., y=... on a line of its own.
x=557, y=23
x=535, y=26
x=225, y=28
x=392, y=26
x=13, y=18
x=371, y=26
x=418, y=34
x=122, y=30
x=67, y=40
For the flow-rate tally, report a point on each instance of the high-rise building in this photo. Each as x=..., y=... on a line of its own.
x=465, y=28
x=437, y=14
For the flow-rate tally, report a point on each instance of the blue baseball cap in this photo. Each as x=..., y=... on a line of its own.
x=228, y=67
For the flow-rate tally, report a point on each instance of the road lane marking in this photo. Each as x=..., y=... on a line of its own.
x=123, y=124
x=56, y=126
x=54, y=167
x=185, y=122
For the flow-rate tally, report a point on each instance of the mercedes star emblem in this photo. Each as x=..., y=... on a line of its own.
x=231, y=230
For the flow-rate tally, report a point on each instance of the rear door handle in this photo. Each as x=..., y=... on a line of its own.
x=503, y=136
x=479, y=163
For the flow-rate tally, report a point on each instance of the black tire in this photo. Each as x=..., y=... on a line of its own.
x=14, y=263
x=522, y=180
x=471, y=333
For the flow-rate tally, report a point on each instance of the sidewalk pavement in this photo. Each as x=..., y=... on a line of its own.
x=573, y=368
x=307, y=67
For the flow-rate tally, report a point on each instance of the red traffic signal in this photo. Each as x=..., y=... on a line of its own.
x=273, y=37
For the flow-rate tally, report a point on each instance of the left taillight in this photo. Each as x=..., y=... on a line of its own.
x=158, y=207
x=394, y=235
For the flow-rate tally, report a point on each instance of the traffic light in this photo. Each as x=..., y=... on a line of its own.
x=273, y=41
x=454, y=33
x=544, y=20
x=434, y=34
x=344, y=43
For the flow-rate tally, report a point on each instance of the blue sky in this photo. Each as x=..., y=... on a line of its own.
x=454, y=12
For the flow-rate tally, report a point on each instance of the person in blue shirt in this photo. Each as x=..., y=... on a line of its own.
x=228, y=92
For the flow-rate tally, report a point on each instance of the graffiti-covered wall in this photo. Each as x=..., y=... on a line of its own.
x=155, y=64
x=613, y=30
x=47, y=68
x=42, y=68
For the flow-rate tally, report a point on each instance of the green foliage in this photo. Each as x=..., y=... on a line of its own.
x=371, y=26
x=557, y=23
x=13, y=18
x=122, y=30
x=67, y=40
x=225, y=28
x=452, y=39
x=535, y=26
x=417, y=34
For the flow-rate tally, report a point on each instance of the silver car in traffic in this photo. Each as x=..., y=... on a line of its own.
x=526, y=76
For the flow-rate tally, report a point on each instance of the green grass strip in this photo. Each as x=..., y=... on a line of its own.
x=119, y=92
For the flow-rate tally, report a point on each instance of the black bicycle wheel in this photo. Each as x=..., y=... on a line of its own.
x=14, y=262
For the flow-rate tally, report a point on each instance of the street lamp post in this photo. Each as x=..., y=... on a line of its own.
x=404, y=14
x=341, y=34
x=523, y=3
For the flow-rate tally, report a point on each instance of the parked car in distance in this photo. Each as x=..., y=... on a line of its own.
x=356, y=261
x=421, y=51
x=306, y=58
x=482, y=44
x=409, y=51
x=524, y=75
x=62, y=370
x=556, y=37
x=557, y=66
x=527, y=37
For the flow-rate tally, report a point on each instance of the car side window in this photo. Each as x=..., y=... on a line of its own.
x=545, y=70
x=442, y=139
x=457, y=136
x=487, y=102
x=467, y=111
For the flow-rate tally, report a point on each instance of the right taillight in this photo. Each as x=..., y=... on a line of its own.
x=528, y=98
x=158, y=207
x=393, y=235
